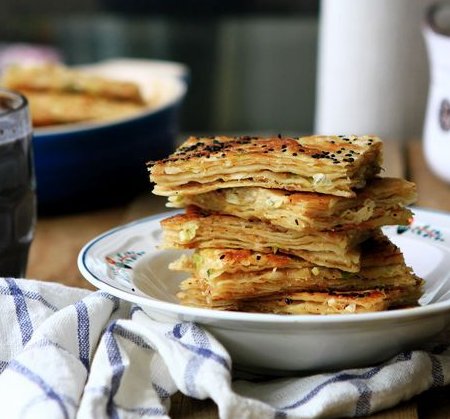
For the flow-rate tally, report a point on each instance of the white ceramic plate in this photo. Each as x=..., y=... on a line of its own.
x=126, y=263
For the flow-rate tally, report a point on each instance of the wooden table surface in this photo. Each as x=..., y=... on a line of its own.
x=58, y=240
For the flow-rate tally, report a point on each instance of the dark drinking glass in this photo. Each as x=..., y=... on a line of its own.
x=17, y=184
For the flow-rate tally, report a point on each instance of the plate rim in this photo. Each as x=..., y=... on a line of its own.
x=205, y=314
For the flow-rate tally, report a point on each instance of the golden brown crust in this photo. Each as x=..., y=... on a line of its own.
x=335, y=303
x=59, y=95
x=286, y=225
x=241, y=286
x=59, y=79
x=311, y=302
x=381, y=202
x=378, y=251
x=55, y=108
x=325, y=164
x=225, y=274
x=199, y=229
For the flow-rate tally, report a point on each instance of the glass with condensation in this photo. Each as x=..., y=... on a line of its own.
x=17, y=184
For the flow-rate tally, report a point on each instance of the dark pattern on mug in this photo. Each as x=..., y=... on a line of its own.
x=444, y=115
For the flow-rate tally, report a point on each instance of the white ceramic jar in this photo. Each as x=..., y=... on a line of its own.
x=436, y=134
x=372, y=75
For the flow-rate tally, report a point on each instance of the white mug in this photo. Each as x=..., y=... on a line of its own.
x=436, y=136
x=372, y=73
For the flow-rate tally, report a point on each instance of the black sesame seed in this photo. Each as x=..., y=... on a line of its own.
x=222, y=257
x=258, y=257
x=294, y=154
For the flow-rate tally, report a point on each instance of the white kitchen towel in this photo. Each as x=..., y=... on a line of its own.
x=72, y=353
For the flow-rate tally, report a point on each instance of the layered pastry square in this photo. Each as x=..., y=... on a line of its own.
x=286, y=225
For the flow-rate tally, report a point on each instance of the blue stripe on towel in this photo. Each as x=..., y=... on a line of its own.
x=83, y=332
x=110, y=297
x=201, y=338
x=163, y=394
x=115, y=360
x=437, y=372
x=145, y=411
x=335, y=379
x=30, y=295
x=132, y=337
x=201, y=350
x=403, y=356
x=23, y=317
x=135, y=309
x=179, y=330
x=190, y=373
x=205, y=353
x=365, y=395
x=3, y=365
x=44, y=386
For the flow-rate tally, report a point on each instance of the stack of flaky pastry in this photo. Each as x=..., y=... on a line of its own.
x=286, y=225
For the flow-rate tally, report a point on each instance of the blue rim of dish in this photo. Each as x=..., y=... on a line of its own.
x=204, y=313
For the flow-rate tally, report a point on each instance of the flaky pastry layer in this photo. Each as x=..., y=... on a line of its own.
x=381, y=202
x=199, y=229
x=242, y=274
x=334, y=165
